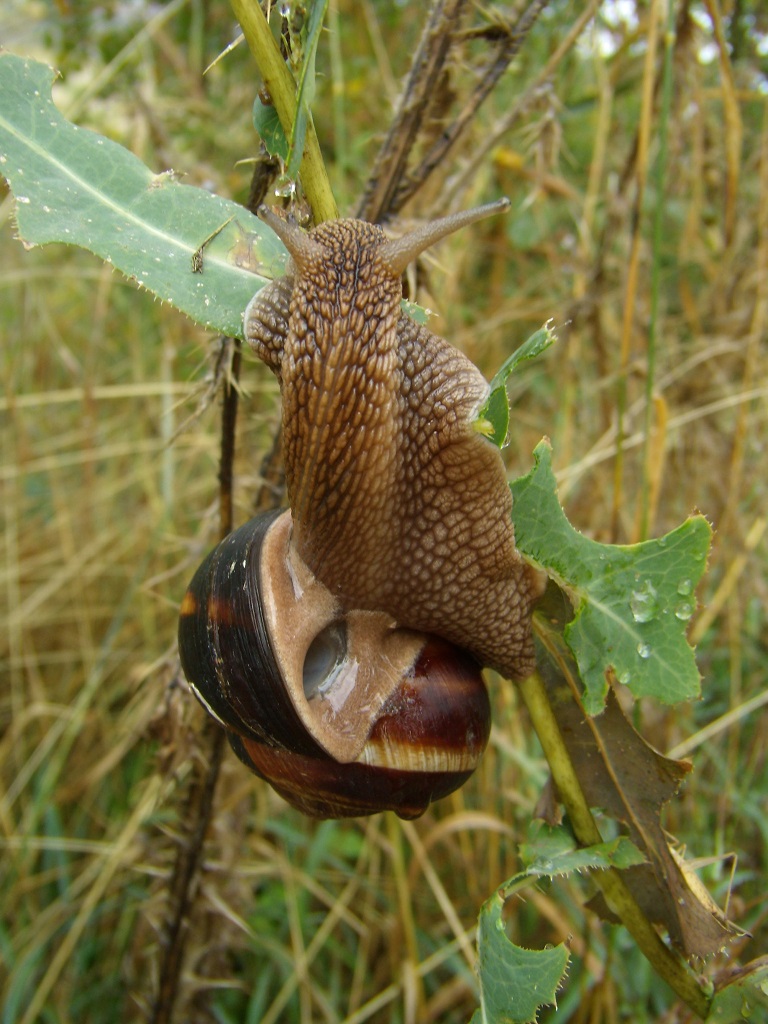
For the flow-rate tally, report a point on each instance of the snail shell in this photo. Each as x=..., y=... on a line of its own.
x=342, y=712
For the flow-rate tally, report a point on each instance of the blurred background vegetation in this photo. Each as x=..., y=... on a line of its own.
x=639, y=224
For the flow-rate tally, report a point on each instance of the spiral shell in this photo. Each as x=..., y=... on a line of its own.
x=343, y=713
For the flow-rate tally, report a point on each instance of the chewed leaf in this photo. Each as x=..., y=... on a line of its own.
x=204, y=254
x=514, y=982
x=552, y=850
x=631, y=603
x=492, y=420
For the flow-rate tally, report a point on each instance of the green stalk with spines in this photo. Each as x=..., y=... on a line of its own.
x=282, y=91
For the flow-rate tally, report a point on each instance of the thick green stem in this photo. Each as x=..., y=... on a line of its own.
x=671, y=967
x=282, y=90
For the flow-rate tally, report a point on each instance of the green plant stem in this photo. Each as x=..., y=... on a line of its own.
x=282, y=90
x=668, y=965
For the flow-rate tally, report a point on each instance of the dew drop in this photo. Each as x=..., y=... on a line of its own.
x=644, y=602
x=286, y=190
x=684, y=611
x=644, y=650
x=624, y=678
x=22, y=199
x=684, y=588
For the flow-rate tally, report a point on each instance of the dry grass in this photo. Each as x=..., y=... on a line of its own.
x=104, y=518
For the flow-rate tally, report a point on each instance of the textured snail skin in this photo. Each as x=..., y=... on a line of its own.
x=398, y=504
x=411, y=730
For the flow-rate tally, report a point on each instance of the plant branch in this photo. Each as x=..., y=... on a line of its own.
x=205, y=774
x=668, y=964
x=282, y=91
x=510, y=39
x=198, y=809
x=428, y=62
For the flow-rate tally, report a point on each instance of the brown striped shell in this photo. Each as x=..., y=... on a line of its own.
x=343, y=713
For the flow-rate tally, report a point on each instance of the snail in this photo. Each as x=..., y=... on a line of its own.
x=395, y=569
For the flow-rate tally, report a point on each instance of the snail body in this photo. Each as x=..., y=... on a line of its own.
x=398, y=503
x=343, y=713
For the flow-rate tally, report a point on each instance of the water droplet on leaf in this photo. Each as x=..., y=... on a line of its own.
x=644, y=603
x=684, y=588
x=644, y=650
x=684, y=611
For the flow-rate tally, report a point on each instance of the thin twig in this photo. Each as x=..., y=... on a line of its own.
x=199, y=804
x=508, y=42
x=525, y=101
x=197, y=811
x=427, y=66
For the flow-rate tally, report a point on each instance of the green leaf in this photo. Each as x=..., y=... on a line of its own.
x=492, y=420
x=267, y=124
x=514, y=982
x=417, y=313
x=552, y=850
x=310, y=37
x=631, y=603
x=204, y=254
x=744, y=1000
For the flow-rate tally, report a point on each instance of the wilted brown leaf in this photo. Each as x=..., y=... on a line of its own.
x=630, y=781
